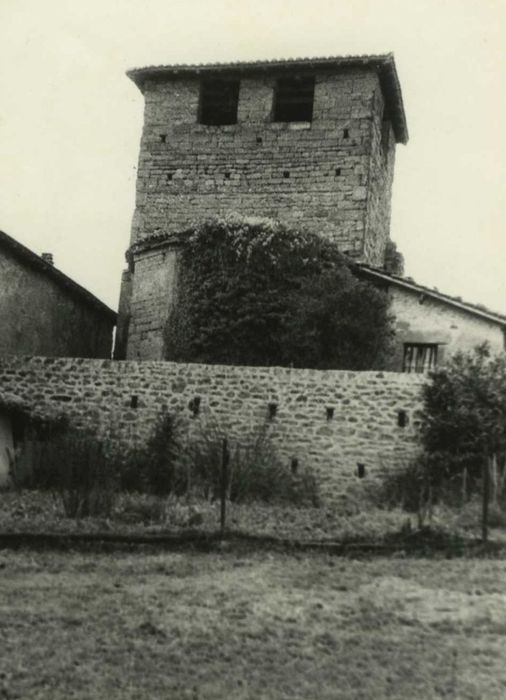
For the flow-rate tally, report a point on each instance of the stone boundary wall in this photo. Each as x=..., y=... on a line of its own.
x=329, y=421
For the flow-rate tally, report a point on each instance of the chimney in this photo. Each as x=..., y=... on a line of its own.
x=47, y=257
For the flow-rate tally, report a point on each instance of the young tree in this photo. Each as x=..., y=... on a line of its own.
x=464, y=430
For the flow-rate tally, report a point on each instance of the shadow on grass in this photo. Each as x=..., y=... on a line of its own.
x=426, y=542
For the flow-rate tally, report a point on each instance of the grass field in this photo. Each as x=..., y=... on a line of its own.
x=202, y=626
x=38, y=511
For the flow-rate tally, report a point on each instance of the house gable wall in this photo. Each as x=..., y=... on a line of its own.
x=38, y=316
x=423, y=319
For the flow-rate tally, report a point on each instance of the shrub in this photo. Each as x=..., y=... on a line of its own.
x=86, y=471
x=464, y=421
x=334, y=320
x=154, y=468
x=77, y=469
x=255, y=471
x=403, y=487
x=464, y=439
x=31, y=426
x=410, y=489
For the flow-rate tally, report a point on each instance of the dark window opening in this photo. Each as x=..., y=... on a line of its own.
x=346, y=133
x=163, y=138
x=419, y=357
x=338, y=172
x=402, y=419
x=360, y=470
x=286, y=174
x=294, y=465
x=194, y=406
x=218, y=102
x=329, y=412
x=293, y=100
x=273, y=409
x=227, y=176
x=134, y=401
x=259, y=139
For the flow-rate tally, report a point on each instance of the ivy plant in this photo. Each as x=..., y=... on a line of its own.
x=253, y=291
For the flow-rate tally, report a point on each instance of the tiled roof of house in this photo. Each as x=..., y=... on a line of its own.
x=408, y=283
x=35, y=261
x=384, y=64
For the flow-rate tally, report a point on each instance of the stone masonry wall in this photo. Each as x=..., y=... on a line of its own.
x=154, y=290
x=380, y=178
x=328, y=420
x=316, y=174
x=39, y=316
x=421, y=319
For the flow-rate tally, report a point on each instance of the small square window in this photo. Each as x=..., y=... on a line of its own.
x=218, y=101
x=419, y=357
x=293, y=99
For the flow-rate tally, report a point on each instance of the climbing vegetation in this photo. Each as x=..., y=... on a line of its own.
x=255, y=292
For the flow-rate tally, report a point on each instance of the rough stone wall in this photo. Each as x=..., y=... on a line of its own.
x=153, y=295
x=123, y=327
x=420, y=319
x=311, y=174
x=40, y=317
x=380, y=178
x=361, y=427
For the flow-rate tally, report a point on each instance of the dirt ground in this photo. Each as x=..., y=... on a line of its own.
x=272, y=626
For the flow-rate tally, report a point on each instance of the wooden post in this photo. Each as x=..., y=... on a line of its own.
x=464, y=486
x=486, y=478
x=223, y=486
x=493, y=479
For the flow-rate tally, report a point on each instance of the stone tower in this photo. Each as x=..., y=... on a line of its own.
x=310, y=142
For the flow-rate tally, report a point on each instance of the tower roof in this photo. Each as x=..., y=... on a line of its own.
x=383, y=64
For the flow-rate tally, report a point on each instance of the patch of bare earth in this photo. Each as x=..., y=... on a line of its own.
x=202, y=627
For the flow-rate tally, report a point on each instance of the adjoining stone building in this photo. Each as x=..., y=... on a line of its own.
x=310, y=142
x=431, y=326
x=44, y=312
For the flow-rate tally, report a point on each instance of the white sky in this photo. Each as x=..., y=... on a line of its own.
x=70, y=120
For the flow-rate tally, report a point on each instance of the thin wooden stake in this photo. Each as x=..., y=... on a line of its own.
x=225, y=456
x=486, y=478
x=464, y=486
